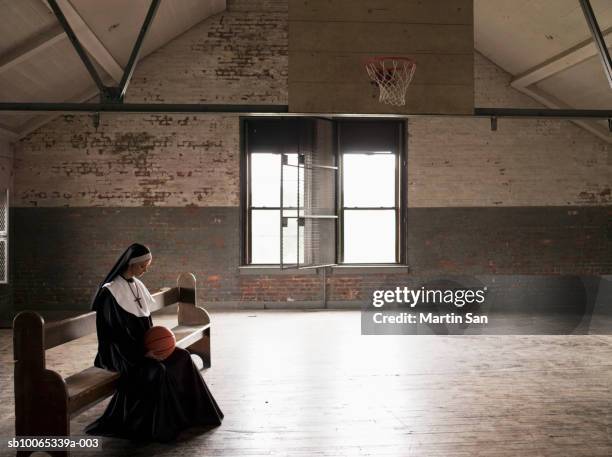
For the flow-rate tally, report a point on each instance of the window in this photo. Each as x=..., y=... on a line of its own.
x=314, y=191
x=265, y=209
x=371, y=194
x=4, y=228
x=272, y=190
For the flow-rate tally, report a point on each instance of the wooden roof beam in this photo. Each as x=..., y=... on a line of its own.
x=89, y=40
x=568, y=58
x=32, y=47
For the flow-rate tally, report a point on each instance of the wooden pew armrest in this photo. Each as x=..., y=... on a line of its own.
x=186, y=335
x=191, y=315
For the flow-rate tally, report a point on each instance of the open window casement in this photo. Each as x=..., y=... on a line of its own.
x=308, y=198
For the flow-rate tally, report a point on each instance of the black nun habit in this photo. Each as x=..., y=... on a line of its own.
x=155, y=399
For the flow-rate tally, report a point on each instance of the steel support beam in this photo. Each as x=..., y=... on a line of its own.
x=569, y=114
x=77, y=44
x=129, y=69
x=598, y=38
x=283, y=110
x=89, y=41
x=139, y=108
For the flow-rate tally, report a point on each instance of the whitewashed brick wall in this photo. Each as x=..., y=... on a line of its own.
x=526, y=162
x=240, y=56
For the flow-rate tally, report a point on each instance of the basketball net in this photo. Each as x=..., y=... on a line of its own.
x=393, y=75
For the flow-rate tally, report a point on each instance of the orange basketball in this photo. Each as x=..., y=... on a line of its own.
x=160, y=341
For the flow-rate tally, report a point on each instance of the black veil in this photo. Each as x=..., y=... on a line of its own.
x=135, y=250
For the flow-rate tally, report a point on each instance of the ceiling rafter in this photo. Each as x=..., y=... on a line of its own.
x=97, y=52
x=562, y=61
x=527, y=81
x=31, y=47
x=89, y=40
x=598, y=38
x=113, y=94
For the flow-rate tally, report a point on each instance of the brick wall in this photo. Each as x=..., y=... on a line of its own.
x=6, y=163
x=526, y=162
x=178, y=160
x=239, y=56
x=152, y=160
x=531, y=198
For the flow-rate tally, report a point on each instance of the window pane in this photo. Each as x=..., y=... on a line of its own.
x=292, y=159
x=293, y=184
x=265, y=236
x=291, y=239
x=265, y=180
x=369, y=180
x=369, y=236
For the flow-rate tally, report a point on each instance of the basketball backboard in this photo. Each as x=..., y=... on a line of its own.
x=330, y=41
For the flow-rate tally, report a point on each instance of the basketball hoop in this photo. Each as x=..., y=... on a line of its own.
x=393, y=76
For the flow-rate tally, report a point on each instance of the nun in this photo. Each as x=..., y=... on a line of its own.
x=155, y=399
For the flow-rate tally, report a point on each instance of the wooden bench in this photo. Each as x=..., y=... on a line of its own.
x=45, y=402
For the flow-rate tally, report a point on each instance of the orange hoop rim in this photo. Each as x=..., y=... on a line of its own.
x=379, y=59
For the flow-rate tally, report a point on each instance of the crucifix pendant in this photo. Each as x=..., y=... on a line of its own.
x=137, y=300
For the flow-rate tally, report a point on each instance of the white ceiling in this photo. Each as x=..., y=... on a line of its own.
x=520, y=34
x=545, y=44
x=38, y=62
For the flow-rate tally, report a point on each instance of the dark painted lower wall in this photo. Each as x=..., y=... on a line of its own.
x=6, y=303
x=6, y=290
x=59, y=255
x=528, y=240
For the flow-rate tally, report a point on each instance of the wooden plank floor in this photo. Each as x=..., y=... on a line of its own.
x=308, y=384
